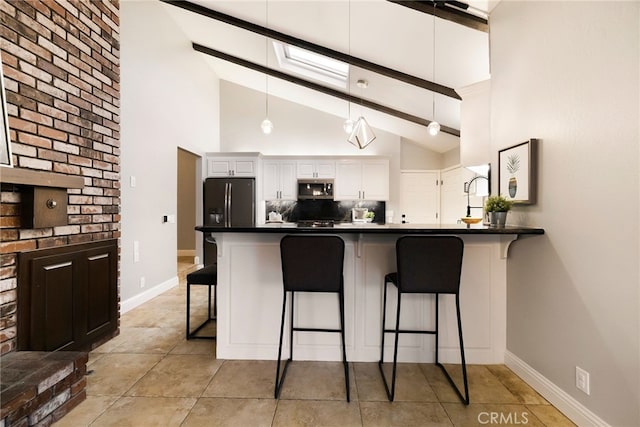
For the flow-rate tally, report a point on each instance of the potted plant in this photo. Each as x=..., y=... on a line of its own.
x=369, y=216
x=497, y=207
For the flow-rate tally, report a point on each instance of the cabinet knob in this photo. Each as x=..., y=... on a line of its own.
x=51, y=204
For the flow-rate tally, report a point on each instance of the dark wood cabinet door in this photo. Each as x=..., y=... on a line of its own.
x=55, y=279
x=68, y=296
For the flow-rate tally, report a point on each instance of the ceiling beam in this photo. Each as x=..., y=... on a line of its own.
x=276, y=35
x=441, y=10
x=319, y=88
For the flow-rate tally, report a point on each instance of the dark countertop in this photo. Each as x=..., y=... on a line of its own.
x=349, y=228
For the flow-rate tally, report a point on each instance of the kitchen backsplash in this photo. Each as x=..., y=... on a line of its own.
x=293, y=211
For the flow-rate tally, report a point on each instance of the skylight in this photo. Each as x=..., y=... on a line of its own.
x=311, y=64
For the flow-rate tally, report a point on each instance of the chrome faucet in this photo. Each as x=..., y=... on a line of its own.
x=467, y=187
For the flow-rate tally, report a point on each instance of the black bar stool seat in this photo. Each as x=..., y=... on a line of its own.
x=207, y=276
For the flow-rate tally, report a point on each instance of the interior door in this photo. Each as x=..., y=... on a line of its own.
x=420, y=197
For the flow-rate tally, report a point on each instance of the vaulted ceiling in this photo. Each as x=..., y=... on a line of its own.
x=413, y=69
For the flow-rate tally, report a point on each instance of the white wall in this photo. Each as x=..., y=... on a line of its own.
x=568, y=73
x=169, y=99
x=417, y=157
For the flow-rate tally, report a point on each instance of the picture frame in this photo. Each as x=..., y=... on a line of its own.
x=5, y=147
x=517, y=172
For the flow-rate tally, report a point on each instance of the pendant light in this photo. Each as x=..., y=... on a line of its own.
x=434, y=126
x=348, y=124
x=362, y=134
x=266, y=125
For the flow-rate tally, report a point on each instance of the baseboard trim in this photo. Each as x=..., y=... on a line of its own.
x=147, y=295
x=565, y=403
x=186, y=252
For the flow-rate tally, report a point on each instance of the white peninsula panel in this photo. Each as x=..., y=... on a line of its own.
x=250, y=303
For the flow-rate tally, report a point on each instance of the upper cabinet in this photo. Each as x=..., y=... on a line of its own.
x=362, y=179
x=309, y=169
x=279, y=179
x=239, y=166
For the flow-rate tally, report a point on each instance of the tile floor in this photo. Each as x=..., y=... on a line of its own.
x=151, y=376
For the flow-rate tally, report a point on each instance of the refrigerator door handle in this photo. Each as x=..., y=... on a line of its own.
x=227, y=201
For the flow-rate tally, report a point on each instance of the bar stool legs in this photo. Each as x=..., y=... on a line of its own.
x=206, y=276
x=397, y=331
x=280, y=379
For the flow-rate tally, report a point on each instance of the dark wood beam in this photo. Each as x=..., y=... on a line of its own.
x=446, y=12
x=319, y=88
x=276, y=35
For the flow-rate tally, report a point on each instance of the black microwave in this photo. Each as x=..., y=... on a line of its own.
x=315, y=189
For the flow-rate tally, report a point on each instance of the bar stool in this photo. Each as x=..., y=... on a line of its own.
x=205, y=276
x=311, y=264
x=426, y=265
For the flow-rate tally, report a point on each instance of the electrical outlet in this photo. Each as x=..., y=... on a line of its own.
x=143, y=282
x=582, y=380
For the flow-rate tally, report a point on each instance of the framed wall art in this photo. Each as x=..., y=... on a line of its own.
x=5, y=146
x=517, y=172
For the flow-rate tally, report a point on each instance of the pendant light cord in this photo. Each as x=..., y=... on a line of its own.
x=433, y=74
x=266, y=61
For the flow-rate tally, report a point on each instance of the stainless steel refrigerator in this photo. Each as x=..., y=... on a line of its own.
x=228, y=202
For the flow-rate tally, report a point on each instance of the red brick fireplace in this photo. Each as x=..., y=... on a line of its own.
x=61, y=67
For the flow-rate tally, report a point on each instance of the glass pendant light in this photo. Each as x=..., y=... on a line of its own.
x=434, y=126
x=362, y=134
x=348, y=124
x=266, y=125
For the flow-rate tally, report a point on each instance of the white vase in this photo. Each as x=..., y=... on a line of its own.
x=497, y=219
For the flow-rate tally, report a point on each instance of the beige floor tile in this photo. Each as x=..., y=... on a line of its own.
x=404, y=414
x=154, y=318
x=114, y=374
x=368, y=382
x=184, y=346
x=550, y=416
x=316, y=413
x=177, y=376
x=523, y=392
x=146, y=411
x=147, y=340
x=243, y=378
x=483, y=414
x=87, y=411
x=317, y=381
x=484, y=387
x=212, y=412
x=411, y=383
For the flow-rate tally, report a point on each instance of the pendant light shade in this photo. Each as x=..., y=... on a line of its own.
x=266, y=126
x=434, y=128
x=362, y=134
x=348, y=126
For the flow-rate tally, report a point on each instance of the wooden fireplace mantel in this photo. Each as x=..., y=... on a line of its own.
x=35, y=178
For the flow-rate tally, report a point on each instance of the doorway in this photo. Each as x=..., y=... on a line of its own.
x=186, y=208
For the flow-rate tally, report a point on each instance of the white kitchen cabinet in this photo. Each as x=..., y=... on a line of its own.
x=278, y=180
x=362, y=179
x=231, y=166
x=309, y=169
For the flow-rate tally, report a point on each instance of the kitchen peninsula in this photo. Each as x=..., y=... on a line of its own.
x=250, y=294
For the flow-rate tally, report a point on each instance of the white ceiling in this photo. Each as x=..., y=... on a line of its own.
x=377, y=31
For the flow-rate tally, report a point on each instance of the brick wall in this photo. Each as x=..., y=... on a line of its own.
x=61, y=68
